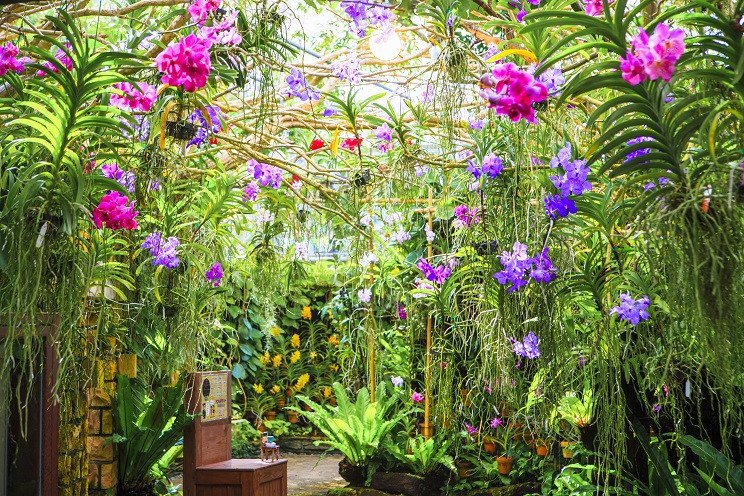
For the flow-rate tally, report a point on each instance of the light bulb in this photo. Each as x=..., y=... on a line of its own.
x=385, y=46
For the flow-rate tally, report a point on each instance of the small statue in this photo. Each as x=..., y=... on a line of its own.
x=268, y=447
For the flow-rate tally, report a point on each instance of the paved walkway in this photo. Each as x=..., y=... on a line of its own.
x=306, y=476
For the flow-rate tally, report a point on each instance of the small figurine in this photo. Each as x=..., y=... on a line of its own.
x=268, y=447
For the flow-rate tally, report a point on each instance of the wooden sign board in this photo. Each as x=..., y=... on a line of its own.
x=208, y=439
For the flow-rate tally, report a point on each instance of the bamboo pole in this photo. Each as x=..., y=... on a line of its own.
x=427, y=429
x=370, y=326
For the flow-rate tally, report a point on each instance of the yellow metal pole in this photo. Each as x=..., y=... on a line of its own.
x=371, y=328
x=427, y=430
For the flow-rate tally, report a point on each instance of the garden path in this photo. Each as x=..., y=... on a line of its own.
x=309, y=476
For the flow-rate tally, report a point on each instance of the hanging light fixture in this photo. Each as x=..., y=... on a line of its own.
x=385, y=45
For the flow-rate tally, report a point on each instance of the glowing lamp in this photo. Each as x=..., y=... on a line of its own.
x=385, y=46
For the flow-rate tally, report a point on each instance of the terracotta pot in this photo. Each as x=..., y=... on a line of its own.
x=464, y=394
x=518, y=432
x=529, y=440
x=270, y=415
x=332, y=401
x=505, y=464
x=289, y=393
x=427, y=430
x=463, y=468
x=489, y=447
x=307, y=407
x=280, y=403
x=567, y=448
x=261, y=428
x=542, y=447
x=292, y=417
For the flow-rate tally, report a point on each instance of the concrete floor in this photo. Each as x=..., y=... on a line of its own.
x=306, y=476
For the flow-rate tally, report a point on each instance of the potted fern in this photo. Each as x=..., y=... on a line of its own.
x=355, y=428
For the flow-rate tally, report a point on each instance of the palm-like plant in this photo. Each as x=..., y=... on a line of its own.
x=51, y=126
x=145, y=430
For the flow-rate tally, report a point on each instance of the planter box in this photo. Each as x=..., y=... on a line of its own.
x=303, y=445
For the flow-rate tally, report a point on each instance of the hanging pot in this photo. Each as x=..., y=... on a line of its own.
x=281, y=403
x=181, y=130
x=505, y=464
x=464, y=394
x=306, y=407
x=332, y=401
x=261, y=427
x=292, y=417
x=567, y=448
x=288, y=393
x=518, y=432
x=529, y=439
x=489, y=447
x=270, y=415
x=542, y=447
x=427, y=430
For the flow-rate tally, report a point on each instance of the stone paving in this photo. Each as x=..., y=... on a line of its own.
x=307, y=475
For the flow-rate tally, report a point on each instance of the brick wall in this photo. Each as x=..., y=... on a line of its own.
x=73, y=432
x=102, y=465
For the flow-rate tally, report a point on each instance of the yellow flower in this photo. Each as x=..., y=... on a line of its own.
x=275, y=389
x=277, y=360
x=313, y=355
x=333, y=367
x=327, y=392
x=258, y=388
x=302, y=381
x=394, y=272
x=265, y=358
x=307, y=313
x=334, y=340
x=295, y=356
x=275, y=331
x=295, y=341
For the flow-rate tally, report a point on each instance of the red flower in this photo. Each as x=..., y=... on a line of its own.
x=212, y=140
x=351, y=144
x=317, y=144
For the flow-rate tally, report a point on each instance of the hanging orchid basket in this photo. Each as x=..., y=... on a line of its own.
x=181, y=130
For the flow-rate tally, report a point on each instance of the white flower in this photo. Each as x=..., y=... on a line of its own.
x=366, y=220
x=391, y=219
x=400, y=236
x=397, y=381
x=301, y=251
x=368, y=259
x=429, y=234
x=422, y=284
x=264, y=215
x=365, y=295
